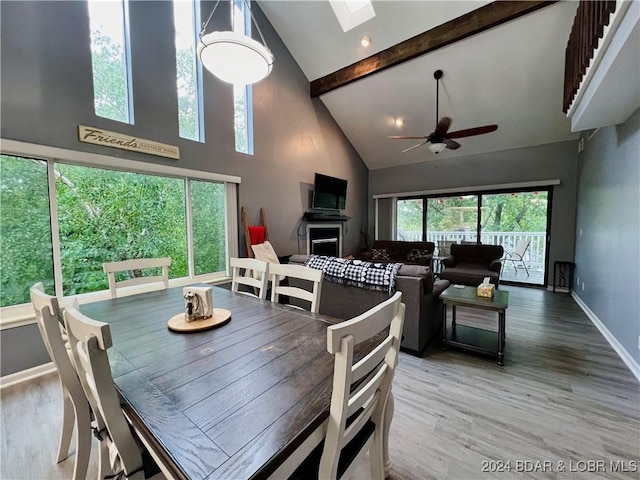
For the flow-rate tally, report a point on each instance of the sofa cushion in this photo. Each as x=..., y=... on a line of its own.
x=380, y=254
x=416, y=254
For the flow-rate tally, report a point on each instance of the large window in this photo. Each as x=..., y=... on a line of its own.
x=110, y=54
x=243, y=94
x=101, y=215
x=25, y=229
x=512, y=219
x=186, y=20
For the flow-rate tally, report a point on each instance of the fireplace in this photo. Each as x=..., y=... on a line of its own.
x=324, y=239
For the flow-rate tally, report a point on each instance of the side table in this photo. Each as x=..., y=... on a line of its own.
x=564, y=271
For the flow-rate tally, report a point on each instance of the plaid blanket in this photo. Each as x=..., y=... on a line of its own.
x=357, y=273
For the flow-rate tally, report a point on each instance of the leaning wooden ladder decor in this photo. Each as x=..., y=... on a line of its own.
x=254, y=234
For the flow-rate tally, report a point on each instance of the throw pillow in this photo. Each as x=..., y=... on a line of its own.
x=380, y=254
x=415, y=254
x=266, y=253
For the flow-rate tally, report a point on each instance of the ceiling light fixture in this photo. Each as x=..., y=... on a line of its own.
x=232, y=56
x=437, y=147
x=398, y=122
x=365, y=41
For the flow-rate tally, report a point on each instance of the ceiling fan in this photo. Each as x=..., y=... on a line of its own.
x=441, y=138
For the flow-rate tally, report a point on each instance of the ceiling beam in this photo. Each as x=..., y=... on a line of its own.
x=477, y=21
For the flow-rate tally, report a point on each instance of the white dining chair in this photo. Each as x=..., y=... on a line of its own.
x=250, y=272
x=120, y=454
x=356, y=421
x=279, y=271
x=75, y=406
x=111, y=268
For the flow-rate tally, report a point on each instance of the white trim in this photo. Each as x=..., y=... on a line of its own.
x=26, y=375
x=13, y=147
x=628, y=360
x=231, y=207
x=478, y=188
x=394, y=218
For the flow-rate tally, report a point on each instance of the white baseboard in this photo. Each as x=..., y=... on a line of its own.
x=628, y=360
x=26, y=375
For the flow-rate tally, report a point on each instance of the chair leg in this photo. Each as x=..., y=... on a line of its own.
x=104, y=463
x=67, y=425
x=83, y=440
x=376, y=454
x=525, y=267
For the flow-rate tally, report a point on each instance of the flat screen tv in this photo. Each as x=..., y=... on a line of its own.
x=329, y=192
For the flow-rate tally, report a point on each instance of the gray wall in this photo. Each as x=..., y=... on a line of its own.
x=543, y=162
x=47, y=91
x=608, y=225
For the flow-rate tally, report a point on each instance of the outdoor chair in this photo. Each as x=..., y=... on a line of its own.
x=517, y=255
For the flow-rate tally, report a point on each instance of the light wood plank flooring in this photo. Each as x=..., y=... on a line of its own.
x=562, y=396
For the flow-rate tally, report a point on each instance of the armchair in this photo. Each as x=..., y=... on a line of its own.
x=470, y=264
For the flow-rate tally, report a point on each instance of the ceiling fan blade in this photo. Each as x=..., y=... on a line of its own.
x=472, y=131
x=451, y=144
x=402, y=137
x=415, y=146
x=443, y=126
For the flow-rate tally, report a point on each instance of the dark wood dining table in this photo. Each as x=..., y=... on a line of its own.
x=227, y=403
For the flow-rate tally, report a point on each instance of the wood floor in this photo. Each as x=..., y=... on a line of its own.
x=562, y=396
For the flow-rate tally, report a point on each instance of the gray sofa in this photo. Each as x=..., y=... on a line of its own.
x=420, y=294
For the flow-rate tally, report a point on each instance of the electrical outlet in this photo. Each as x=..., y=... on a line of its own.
x=583, y=286
x=581, y=145
x=580, y=232
x=638, y=342
x=578, y=281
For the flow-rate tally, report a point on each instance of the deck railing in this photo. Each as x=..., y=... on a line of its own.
x=534, y=256
x=588, y=27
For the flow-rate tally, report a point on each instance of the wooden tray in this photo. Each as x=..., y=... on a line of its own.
x=221, y=316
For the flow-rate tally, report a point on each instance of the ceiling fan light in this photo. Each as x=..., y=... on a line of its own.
x=437, y=147
x=234, y=57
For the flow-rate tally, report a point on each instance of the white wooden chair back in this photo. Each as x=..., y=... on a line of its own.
x=256, y=275
x=75, y=405
x=111, y=268
x=360, y=391
x=279, y=271
x=89, y=341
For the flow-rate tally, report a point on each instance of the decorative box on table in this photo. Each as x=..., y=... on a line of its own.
x=486, y=290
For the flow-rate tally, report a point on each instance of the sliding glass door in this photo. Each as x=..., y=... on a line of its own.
x=516, y=220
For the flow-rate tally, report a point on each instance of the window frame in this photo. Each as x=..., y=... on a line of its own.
x=197, y=64
x=128, y=74
x=248, y=89
x=18, y=315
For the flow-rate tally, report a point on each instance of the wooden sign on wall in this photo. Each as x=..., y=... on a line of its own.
x=98, y=136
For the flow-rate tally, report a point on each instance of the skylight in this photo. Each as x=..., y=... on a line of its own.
x=352, y=13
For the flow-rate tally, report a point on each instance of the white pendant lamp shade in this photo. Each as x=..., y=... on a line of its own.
x=234, y=57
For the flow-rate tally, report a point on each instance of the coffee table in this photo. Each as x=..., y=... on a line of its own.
x=472, y=338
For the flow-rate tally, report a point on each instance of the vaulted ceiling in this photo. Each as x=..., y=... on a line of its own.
x=510, y=75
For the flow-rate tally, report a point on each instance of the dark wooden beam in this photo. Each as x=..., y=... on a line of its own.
x=477, y=21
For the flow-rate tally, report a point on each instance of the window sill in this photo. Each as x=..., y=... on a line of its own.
x=21, y=315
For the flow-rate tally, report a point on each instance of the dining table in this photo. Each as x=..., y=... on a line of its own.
x=232, y=402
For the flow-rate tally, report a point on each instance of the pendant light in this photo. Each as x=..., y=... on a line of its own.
x=234, y=57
